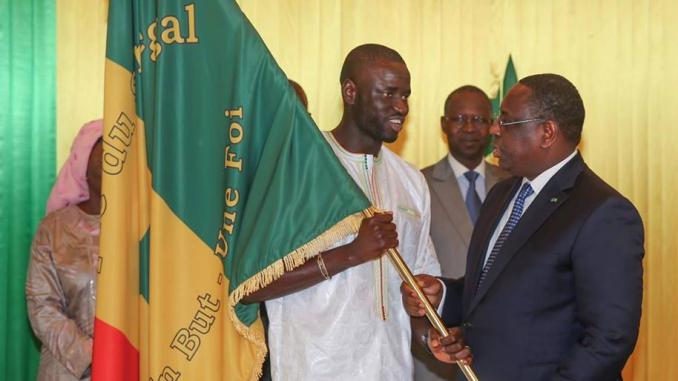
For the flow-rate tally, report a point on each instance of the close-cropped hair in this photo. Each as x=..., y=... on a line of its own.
x=363, y=54
x=554, y=97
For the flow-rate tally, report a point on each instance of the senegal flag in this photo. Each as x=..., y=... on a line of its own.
x=216, y=181
x=503, y=87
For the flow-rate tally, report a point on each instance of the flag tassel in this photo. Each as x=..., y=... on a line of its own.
x=289, y=262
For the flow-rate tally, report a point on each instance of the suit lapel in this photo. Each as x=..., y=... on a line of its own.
x=548, y=200
x=446, y=188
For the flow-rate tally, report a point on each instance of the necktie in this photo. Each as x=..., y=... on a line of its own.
x=472, y=199
x=525, y=192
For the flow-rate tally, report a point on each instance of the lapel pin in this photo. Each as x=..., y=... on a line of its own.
x=554, y=199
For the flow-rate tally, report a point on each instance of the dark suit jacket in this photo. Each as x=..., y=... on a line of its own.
x=451, y=229
x=563, y=298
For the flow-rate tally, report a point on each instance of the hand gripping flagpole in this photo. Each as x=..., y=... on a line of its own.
x=431, y=313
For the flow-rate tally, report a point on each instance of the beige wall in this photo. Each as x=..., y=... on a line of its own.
x=81, y=51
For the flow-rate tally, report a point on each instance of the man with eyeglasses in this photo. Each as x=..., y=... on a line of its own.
x=554, y=279
x=458, y=184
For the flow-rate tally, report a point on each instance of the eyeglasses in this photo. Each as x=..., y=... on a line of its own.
x=502, y=124
x=460, y=120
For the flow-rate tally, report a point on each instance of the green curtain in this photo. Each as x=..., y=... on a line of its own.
x=27, y=165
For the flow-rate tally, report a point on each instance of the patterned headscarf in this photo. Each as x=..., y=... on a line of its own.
x=70, y=187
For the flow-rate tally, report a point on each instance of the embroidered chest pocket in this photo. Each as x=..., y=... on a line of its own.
x=409, y=212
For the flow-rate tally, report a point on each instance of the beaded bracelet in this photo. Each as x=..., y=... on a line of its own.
x=321, y=266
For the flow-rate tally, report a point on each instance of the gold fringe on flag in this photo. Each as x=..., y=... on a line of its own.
x=289, y=262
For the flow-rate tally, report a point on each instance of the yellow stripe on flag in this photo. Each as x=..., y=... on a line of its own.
x=188, y=323
x=126, y=186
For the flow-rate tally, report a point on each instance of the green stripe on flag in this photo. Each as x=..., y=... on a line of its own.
x=144, y=264
x=510, y=79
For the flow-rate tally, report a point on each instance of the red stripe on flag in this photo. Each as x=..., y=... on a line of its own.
x=114, y=357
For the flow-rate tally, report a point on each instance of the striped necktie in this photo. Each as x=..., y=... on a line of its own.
x=525, y=192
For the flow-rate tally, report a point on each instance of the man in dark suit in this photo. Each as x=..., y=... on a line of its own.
x=458, y=184
x=554, y=279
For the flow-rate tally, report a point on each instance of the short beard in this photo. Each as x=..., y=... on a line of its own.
x=377, y=131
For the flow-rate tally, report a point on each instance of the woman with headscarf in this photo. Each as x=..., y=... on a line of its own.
x=61, y=282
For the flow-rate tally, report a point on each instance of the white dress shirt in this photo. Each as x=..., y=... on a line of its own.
x=459, y=170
